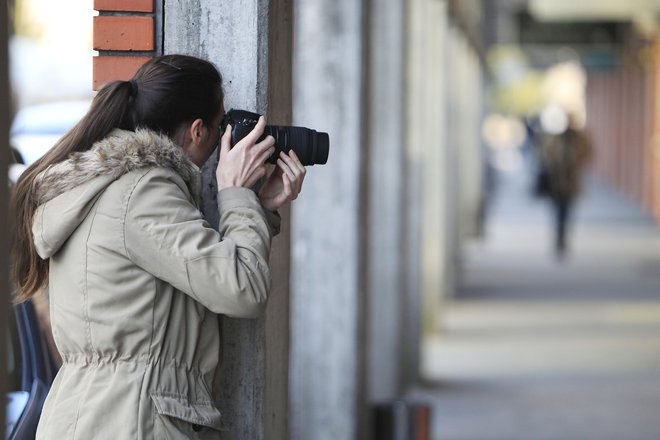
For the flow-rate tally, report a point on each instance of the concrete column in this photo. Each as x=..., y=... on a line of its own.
x=326, y=262
x=250, y=42
x=466, y=106
x=385, y=216
x=278, y=331
x=429, y=182
x=5, y=111
x=475, y=157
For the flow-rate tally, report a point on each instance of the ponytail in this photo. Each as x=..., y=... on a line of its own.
x=165, y=93
x=110, y=109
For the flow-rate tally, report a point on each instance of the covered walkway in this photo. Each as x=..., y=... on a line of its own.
x=536, y=349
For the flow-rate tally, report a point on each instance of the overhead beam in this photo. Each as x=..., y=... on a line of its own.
x=592, y=10
x=601, y=33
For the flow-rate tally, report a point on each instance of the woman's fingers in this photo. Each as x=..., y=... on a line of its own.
x=265, y=149
x=295, y=173
x=225, y=142
x=287, y=192
x=297, y=161
x=253, y=136
x=294, y=164
x=244, y=164
x=257, y=174
x=286, y=169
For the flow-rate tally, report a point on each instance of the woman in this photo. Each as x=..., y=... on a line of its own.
x=108, y=221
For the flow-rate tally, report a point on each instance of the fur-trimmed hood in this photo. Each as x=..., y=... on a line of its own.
x=69, y=189
x=117, y=154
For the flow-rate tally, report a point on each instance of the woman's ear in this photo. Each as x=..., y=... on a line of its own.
x=193, y=141
x=197, y=131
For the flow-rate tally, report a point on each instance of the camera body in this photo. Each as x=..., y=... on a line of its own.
x=310, y=146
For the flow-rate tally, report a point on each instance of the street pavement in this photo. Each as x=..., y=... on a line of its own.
x=536, y=348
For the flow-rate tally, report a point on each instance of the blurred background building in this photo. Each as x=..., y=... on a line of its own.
x=416, y=293
x=50, y=51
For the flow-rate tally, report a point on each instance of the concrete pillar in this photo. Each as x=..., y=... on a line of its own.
x=429, y=181
x=385, y=217
x=326, y=262
x=5, y=111
x=250, y=42
x=466, y=104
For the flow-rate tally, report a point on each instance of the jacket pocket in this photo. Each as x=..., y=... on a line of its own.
x=181, y=419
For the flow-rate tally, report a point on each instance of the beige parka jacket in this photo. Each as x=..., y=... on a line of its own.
x=137, y=278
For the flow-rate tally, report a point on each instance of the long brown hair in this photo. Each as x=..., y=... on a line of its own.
x=165, y=93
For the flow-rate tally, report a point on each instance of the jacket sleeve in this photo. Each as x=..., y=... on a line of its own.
x=166, y=235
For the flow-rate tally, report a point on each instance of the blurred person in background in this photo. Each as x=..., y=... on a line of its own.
x=564, y=150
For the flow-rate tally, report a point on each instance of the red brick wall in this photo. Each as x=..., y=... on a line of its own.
x=623, y=111
x=654, y=130
x=125, y=36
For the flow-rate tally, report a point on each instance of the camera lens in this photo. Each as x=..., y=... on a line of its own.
x=310, y=146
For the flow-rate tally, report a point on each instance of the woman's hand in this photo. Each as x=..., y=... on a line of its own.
x=284, y=184
x=244, y=164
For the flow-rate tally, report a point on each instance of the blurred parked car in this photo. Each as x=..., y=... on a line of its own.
x=31, y=370
x=36, y=128
x=32, y=359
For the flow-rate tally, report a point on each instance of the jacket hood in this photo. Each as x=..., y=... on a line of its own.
x=65, y=192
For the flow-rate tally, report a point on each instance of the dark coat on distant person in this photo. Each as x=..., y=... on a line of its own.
x=562, y=158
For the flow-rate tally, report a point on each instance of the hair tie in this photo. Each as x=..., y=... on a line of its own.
x=134, y=88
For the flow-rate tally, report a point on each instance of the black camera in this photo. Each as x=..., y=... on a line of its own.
x=310, y=146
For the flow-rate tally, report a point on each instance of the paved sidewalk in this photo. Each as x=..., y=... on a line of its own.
x=537, y=349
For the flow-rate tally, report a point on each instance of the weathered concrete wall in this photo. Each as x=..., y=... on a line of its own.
x=280, y=42
x=249, y=41
x=385, y=217
x=325, y=276
x=429, y=178
x=466, y=98
x=232, y=34
x=4, y=239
